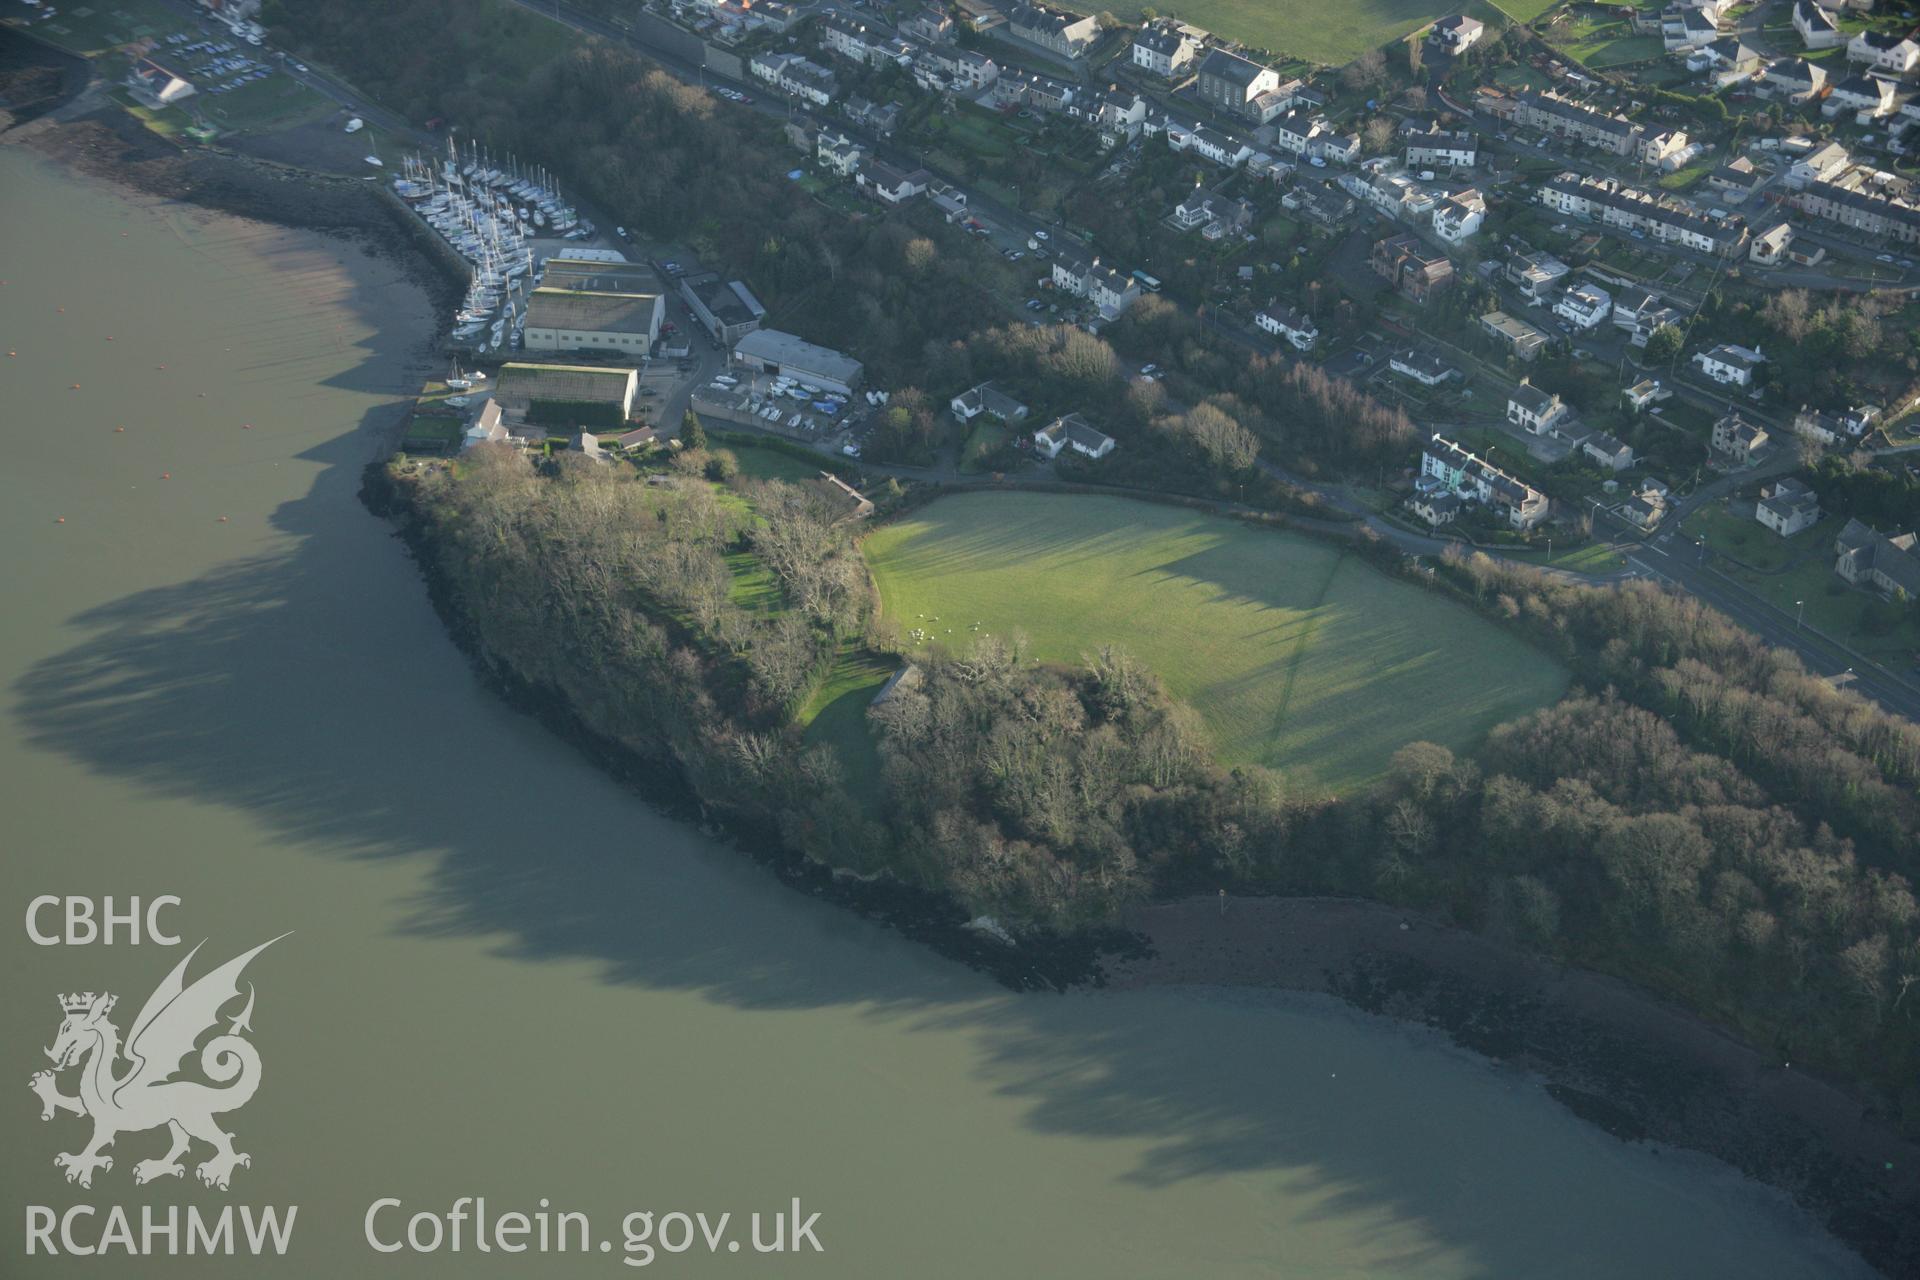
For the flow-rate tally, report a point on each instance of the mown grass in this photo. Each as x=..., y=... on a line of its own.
x=1296, y=655
x=837, y=715
x=1319, y=30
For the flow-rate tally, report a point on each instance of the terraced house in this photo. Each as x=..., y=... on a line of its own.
x=1166, y=47
x=1447, y=467
x=1613, y=204
x=1553, y=113
x=1871, y=209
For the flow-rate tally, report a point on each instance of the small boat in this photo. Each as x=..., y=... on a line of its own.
x=355, y=125
x=376, y=162
x=459, y=402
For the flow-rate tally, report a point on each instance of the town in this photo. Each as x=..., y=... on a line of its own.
x=1414, y=503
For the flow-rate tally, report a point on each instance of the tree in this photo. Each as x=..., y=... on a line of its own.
x=1365, y=71
x=1663, y=344
x=1378, y=135
x=692, y=434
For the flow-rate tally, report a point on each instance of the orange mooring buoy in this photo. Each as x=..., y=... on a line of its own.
x=109, y=337
x=119, y=430
x=166, y=475
x=223, y=519
x=61, y=310
x=59, y=519
x=74, y=387
x=246, y=426
x=159, y=366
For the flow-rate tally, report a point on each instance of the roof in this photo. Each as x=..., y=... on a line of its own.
x=729, y=302
x=1076, y=430
x=591, y=311
x=780, y=348
x=602, y=277
x=593, y=383
x=1230, y=66
x=1602, y=442
x=1288, y=317
x=1533, y=399
x=1424, y=363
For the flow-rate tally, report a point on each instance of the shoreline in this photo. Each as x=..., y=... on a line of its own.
x=1613, y=1054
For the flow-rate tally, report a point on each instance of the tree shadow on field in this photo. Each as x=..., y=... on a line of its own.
x=315, y=692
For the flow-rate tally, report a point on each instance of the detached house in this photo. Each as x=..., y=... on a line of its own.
x=1458, y=33
x=1730, y=364
x=1536, y=410
x=1072, y=432
x=1424, y=367
x=1880, y=562
x=837, y=153
x=1214, y=215
x=990, y=400
x=1459, y=215
x=1410, y=267
x=890, y=185
x=1609, y=452
x=1815, y=28
x=1230, y=83
x=1584, y=306
x=1738, y=441
x=1787, y=506
x=1521, y=338
x=1290, y=324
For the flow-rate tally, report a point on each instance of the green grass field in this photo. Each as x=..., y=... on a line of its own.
x=1297, y=655
x=1331, y=32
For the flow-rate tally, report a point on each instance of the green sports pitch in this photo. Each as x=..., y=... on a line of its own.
x=1298, y=655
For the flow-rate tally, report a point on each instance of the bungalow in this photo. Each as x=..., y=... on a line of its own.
x=1214, y=215
x=1886, y=51
x=1410, y=267
x=1445, y=466
x=1729, y=364
x=1072, y=432
x=1165, y=47
x=1536, y=410
x=1645, y=393
x=1584, y=306
x=1735, y=180
x=1865, y=557
x=1739, y=441
x=1288, y=323
x=1610, y=452
x=1459, y=215
x=1423, y=367
x=1537, y=273
x=1522, y=339
x=889, y=185
x=990, y=400
x=1787, y=506
x=1435, y=505
x=1815, y=28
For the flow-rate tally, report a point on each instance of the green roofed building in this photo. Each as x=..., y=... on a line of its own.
x=521, y=386
x=593, y=319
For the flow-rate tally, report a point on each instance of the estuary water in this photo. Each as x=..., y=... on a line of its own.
x=221, y=680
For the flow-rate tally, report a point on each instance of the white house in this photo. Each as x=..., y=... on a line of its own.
x=1815, y=27
x=1865, y=96
x=1290, y=324
x=1165, y=47
x=1584, y=306
x=1884, y=51
x=1444, y=465
x=1536, y=410
x=1787, y=506
x=1730, y=364
x=1423, y=367
x=990, y=400
x=1072, y=432
x=838, y=154
x=1459, y=215
x=1608, y=451
x=1822, y=164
